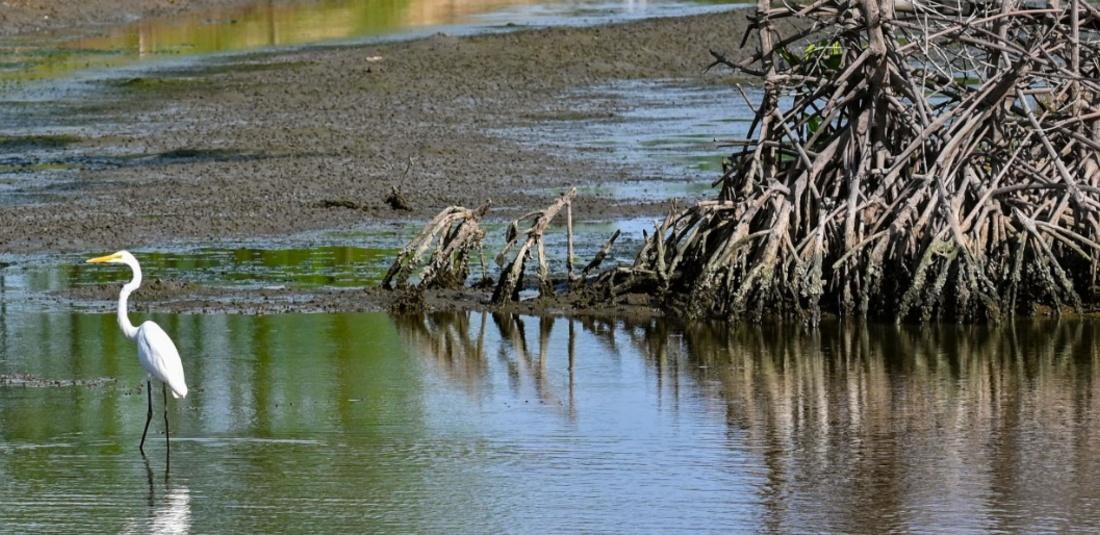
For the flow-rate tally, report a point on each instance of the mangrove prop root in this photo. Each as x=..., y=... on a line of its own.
x=918, y=159
x=913, y=160
x=511, y=273
x=450, y=235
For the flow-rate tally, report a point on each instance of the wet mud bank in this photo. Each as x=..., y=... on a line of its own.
x=270, y=144
x=23, y=380
x=186, y=298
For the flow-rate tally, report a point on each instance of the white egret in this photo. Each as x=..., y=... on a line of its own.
x=156, y=352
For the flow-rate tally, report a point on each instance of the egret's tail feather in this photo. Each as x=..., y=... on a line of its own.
x=179, y=391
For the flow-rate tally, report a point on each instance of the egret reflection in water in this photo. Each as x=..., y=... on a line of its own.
x=168, y=514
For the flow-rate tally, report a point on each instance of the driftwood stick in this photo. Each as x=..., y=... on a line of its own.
x=546, y=286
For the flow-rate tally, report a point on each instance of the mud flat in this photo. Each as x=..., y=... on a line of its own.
x=185, y=298
x=270, y=144
x=20, y=17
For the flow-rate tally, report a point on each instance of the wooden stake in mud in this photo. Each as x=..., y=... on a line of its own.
x=569, y=239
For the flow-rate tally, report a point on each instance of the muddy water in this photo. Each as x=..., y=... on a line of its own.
x=475, y=423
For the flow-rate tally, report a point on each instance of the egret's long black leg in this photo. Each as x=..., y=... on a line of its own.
x=148, y=415
x=167, y=446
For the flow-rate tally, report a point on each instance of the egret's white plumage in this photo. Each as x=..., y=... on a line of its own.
x=159, y=357
x=156, y=352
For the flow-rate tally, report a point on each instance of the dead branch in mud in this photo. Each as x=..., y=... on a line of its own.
x=922, y=159
x=397, y=201
x=511, y=273
x=451, y=235
x=601, y=255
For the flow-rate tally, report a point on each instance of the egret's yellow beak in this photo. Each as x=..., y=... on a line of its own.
x=104, y=259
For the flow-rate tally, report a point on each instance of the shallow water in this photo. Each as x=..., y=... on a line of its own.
x=478, y=423
x=670, y=132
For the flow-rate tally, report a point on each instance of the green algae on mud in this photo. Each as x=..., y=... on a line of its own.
x=330, y=266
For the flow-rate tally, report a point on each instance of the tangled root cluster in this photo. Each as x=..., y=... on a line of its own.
x=911, y=160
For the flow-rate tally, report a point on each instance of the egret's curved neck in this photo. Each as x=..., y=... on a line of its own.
x=128, y=328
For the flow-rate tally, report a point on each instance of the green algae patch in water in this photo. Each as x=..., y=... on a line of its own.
x=37, y=141
x=710, y=164
x=340, y=266
x=324, y=266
